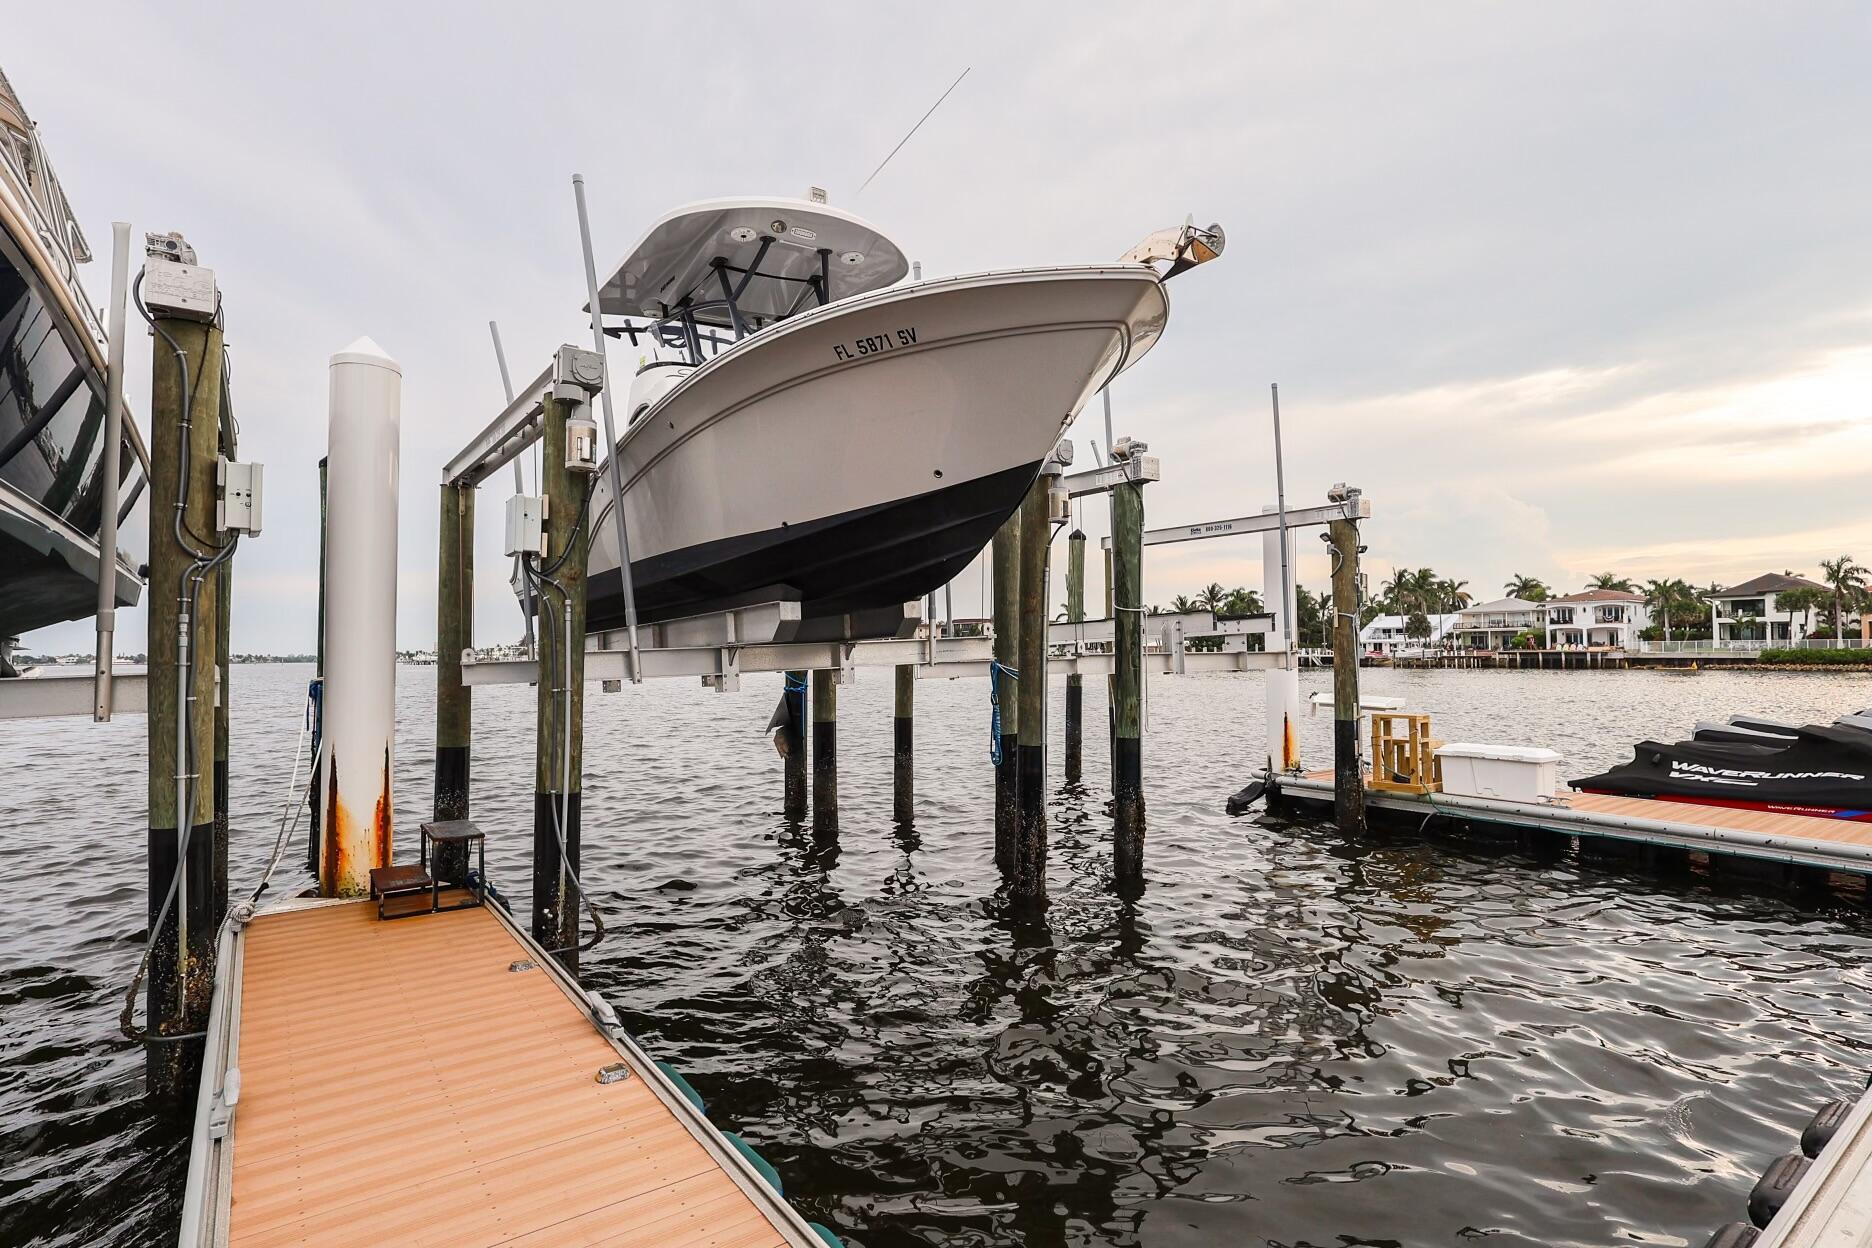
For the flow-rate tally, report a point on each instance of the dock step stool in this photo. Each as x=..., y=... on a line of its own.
x=411, y=879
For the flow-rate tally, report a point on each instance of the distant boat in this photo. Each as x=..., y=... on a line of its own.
x=819, y=433
x=51, y=402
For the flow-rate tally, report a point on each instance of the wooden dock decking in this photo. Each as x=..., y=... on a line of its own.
x=400, y=1083
x=1802, y=840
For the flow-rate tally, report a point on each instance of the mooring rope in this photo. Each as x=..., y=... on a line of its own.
x=995, y=668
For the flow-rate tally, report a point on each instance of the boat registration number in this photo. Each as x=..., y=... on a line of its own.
x=875, y=344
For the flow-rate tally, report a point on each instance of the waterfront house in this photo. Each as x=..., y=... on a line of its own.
x=1750, y=612
x=1493, y=625
x=1385, y=635
x=1595, y=619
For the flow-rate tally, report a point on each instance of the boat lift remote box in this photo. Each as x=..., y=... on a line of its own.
x=526, y=524
x=1513, y=773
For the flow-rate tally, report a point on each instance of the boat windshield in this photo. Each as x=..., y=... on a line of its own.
x=707, y=275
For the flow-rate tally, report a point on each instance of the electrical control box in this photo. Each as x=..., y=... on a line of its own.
x=237, y=507
x=577, y=374
x=171, y=288
x=526, y=524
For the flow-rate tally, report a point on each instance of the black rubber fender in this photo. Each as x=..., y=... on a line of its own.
x=1825, y=1125
x=1733, y=1235
x=1775, y=1186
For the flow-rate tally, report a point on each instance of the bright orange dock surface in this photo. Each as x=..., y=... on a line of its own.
x=400, y=1085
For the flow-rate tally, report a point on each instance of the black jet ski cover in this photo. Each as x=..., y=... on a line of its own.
x=1825, y=771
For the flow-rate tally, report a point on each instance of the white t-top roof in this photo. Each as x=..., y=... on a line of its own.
x=676, y=259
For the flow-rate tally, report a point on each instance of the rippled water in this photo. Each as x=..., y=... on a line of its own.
x=1289, y=1039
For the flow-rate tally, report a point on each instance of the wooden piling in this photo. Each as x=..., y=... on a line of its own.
x=180, y=981
x=1348, y=784
x=1004, y=692
x=1127, y=550
x=560, y=726
x=795, y=757
x=903, y=770
x=454, y=700
x=825, y=751
x=1030, y=849
x=1075, y=683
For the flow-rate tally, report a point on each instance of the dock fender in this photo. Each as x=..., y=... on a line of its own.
x=1775, y=1186
x=1825, y=1125
x=759, y=1162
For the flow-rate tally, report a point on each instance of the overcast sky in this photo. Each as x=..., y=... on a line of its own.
x=1564, y=288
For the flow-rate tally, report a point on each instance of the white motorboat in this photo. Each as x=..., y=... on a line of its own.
x=51, y=402
x=809, y=430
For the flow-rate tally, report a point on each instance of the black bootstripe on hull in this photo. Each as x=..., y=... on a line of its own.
x=874, y=557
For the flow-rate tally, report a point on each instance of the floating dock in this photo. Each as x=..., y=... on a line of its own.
x=437, y=1080
x=1791, y=840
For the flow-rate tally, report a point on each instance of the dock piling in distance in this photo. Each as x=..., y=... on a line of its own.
x=1283, y=683
x=903, y=753
x=454, y=700
x=181, y=682
x=359, y=700
x=1075, y=683
x=1030, y=847
x=1127, y=549
x=825, y=750
x=560, y=725
x=1006, y=694
x=1348, y=783
x=795, y=758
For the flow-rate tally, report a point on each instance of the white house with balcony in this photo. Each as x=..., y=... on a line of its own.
x=1751, y=611
x=1385, y=636
x=1493, y=625
x=1595, y=619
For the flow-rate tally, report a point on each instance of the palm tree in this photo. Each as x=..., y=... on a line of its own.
x=1181, y=603
x=1847, y=579
x=1663, y=597
x=1211, y=597
x=1240, y=603
x=1610, y=580
x=1526, y=588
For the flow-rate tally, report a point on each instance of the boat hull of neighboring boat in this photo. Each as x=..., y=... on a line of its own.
x=857, y=457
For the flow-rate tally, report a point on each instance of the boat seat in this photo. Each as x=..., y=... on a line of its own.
x=398, y=882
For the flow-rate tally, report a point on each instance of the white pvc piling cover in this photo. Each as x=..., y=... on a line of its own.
x=360, y=617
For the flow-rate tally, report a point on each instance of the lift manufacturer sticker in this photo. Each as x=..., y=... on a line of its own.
x=875, y=344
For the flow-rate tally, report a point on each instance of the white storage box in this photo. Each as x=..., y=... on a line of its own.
x=1514, y=773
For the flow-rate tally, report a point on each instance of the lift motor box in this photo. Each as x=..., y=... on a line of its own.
x=526, y=524
x=237, y=510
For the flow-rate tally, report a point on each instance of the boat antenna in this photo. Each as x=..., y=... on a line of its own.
x=913, y=129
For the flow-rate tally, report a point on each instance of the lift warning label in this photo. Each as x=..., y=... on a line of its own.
x=875, y=344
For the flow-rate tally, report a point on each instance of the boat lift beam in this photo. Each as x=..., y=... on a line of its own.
x=513, y=431
x=1267, y=522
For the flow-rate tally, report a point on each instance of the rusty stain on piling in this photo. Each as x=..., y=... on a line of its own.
x=381, y=818
x=332, y=832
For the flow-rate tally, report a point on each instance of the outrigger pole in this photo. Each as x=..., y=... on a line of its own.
x=610, y=432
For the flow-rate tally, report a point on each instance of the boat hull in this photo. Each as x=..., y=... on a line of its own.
x=857, y=457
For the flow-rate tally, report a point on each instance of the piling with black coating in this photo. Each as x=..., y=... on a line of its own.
x=1006, y=557
x=314, y=799
x=180, y=983
x=561, y=702
x=903, y=724
x=1030, y=848
x=1128, y=683
x=224, y=598
x=825, y=751
x=795, y=758
x=1075, y=684
x=454, y=700
x=1348, y=785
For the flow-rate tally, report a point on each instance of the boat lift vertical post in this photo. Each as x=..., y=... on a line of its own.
x=796, y=758
x=1075, y=683
x=224, y=692
x=1282, y=686
x=526, y=589
x=903, y=745
x=1127, y=684
x=454, y=701
x=315, y=801
x=112, y=469
x=1030, y=848
x=610, y=432
x=1003, y=692
x=825, y=751
x=1348, y=783
x=559, y=731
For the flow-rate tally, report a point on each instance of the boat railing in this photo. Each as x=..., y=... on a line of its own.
x=1752, y=645
x=23, y=163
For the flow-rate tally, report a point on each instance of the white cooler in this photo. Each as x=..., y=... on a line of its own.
x=1514, y=773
